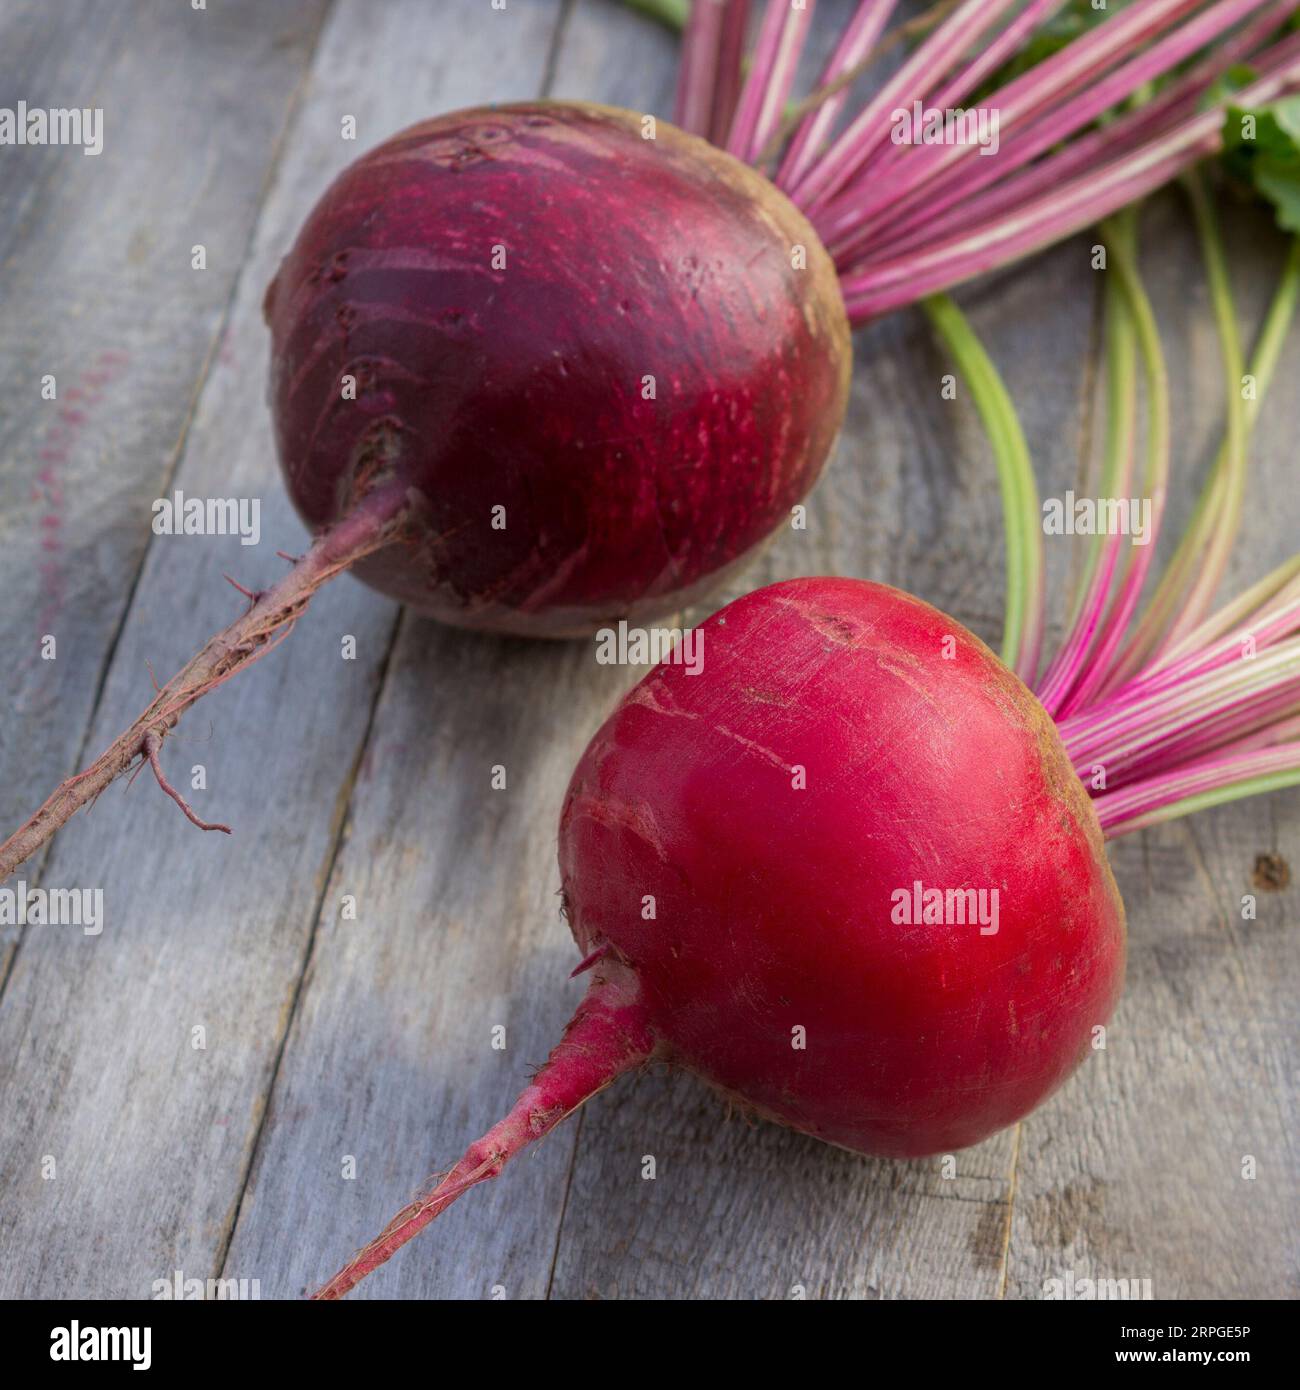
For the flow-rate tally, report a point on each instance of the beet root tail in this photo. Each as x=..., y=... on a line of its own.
x=607, y=1036
x=375, y=521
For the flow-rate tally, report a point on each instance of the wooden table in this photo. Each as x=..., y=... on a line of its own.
x=324, y=1038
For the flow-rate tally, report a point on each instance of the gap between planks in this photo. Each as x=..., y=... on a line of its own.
x=344, y=800
x=338, y=832
x=178, y=450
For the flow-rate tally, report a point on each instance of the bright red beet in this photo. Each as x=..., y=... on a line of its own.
x=775, y=906
x=523, y=385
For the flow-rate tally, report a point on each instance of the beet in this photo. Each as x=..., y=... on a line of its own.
x=920, y=1037
x=522, y=386
x=736, y=850
x=499, y=458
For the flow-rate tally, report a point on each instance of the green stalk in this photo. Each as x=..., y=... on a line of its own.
x=1209, y=541
x=1021, y=513
x=1121, y=234
x=672, y=14
x=1161, y=625
x=1202, y=801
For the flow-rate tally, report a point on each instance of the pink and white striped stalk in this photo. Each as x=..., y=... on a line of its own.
x=1081, y=202
x=1039, y=97
x=915, y=79
x=1022, y=141
x=859, y=39
x=1226, y=777
x=697, y=70
x=948, y=210
x=986, y=62
x=1180, y=709
x=730, y=70
x=771, y=77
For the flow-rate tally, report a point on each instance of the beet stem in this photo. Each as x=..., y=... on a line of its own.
x=697, y=69
x=728, y=76
x=152, y=743
x=814, y=117
x=607, y=1036
x=374, y=522
x=771, y=76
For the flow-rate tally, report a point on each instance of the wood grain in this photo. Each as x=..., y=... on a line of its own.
x=96, y=290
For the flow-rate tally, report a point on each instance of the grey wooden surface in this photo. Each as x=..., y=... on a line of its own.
x=371, y=1039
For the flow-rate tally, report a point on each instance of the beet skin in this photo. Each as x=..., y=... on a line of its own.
x=503, y=284
x=775, y=891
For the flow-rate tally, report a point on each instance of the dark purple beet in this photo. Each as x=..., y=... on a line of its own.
x=481, y=386
x=522, y=386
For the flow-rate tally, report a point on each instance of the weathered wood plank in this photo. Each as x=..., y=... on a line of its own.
x=153, y=1138
x=390, y=1056
x=96, y=290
